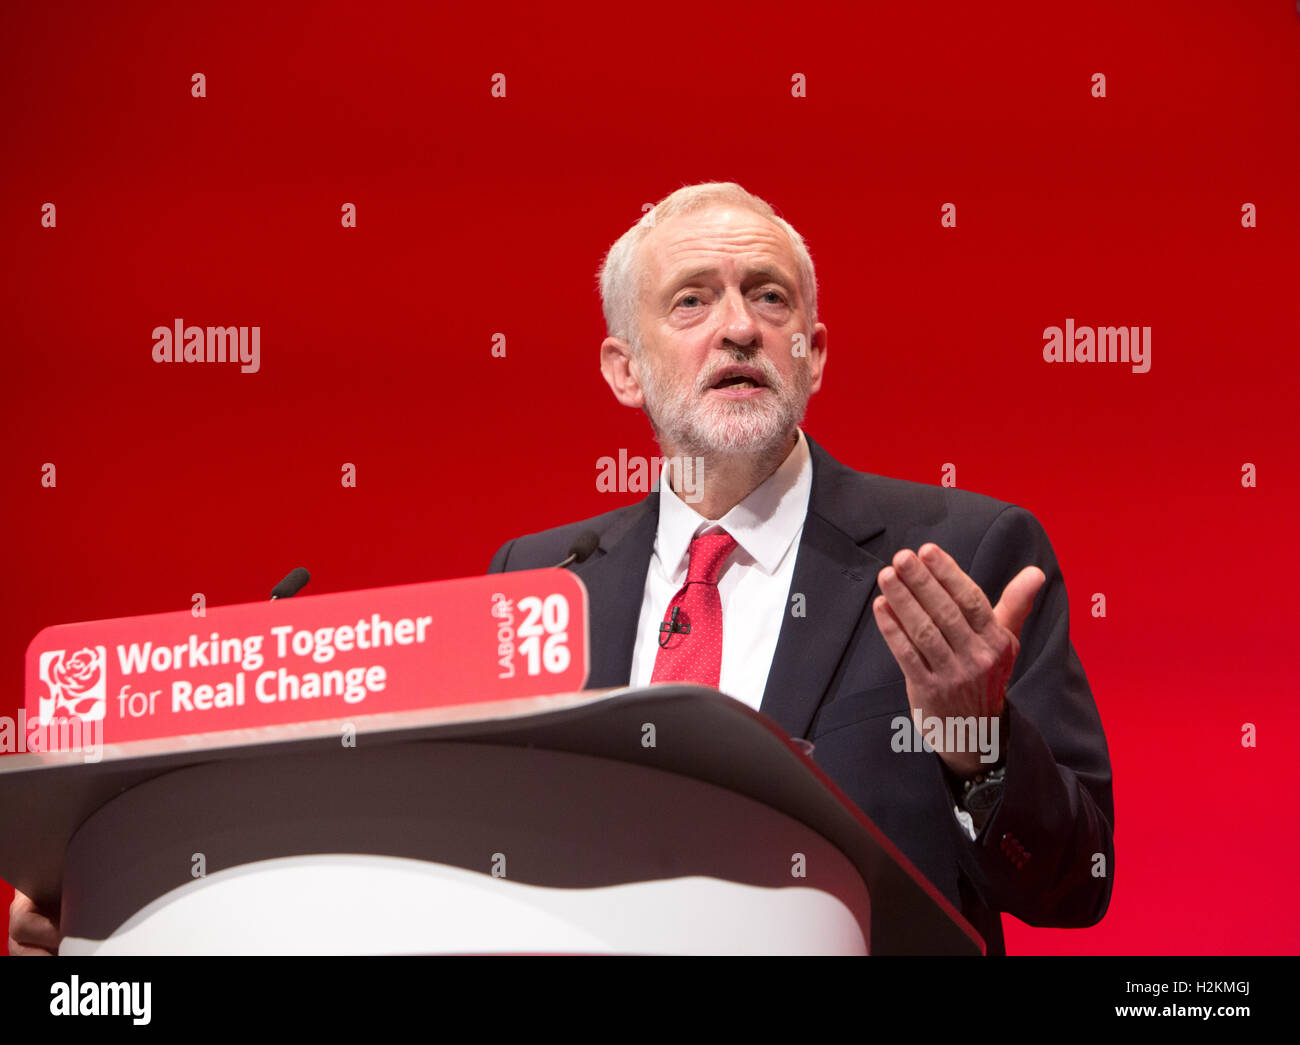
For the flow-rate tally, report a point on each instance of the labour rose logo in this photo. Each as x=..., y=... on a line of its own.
x=76, y=684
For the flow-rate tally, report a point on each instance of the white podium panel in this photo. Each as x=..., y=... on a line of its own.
x=312, y=905
x=452, y=847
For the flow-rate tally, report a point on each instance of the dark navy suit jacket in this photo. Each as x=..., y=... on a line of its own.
x=1046, y=853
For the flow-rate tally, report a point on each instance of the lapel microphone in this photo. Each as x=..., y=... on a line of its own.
x=672, y=627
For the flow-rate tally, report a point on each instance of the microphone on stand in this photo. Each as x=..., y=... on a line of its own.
x=294, y=581
x=581, y=548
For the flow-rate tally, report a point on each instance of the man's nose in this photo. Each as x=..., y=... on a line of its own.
x=738, y=327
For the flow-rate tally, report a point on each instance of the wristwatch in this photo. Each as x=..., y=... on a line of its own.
x=981, y=793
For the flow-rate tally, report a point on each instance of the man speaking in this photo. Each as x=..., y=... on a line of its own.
x=857, y=611
x=860, y=612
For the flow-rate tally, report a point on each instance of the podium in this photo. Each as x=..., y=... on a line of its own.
x=666, y=820
x=455, y=808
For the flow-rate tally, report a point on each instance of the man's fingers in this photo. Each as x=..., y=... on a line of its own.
x=29, y=930
x=1012, y=609
x=968, y=595
x=908, y=656
x=935, y=599
x=18, y=950
x=915, y=620
x=1018, y=598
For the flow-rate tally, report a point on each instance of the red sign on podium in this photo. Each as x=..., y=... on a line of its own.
x=414, y=646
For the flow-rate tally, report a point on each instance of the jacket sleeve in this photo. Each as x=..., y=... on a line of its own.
x=499, y=559
x=1046, y=854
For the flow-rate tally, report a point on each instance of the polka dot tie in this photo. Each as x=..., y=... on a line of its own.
x=690, y=637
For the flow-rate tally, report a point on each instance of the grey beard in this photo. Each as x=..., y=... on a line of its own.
x=720, y=427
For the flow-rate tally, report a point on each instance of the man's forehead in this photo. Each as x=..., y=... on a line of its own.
x=692, y=243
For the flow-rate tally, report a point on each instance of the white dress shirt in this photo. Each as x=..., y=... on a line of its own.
x=754, y=585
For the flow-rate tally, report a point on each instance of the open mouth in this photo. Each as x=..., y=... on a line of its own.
x=738, y=379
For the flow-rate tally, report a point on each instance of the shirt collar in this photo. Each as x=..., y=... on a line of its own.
x=764, y=524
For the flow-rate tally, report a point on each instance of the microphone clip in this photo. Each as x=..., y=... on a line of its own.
x=672, y=627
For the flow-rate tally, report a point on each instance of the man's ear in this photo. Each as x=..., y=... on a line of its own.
x=622, y=372
x=817, y=356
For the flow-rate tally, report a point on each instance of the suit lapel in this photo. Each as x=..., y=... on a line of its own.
x=836, y=576
x=615, y=578
x=837, y=579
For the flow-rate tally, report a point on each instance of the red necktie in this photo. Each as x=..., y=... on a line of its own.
x=690, y=637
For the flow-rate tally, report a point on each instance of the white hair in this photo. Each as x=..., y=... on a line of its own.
x=622, y=274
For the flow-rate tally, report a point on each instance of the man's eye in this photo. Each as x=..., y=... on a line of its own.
x=688, y=299
x=780, y=298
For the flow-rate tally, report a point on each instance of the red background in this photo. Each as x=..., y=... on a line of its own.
x=479, y=215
